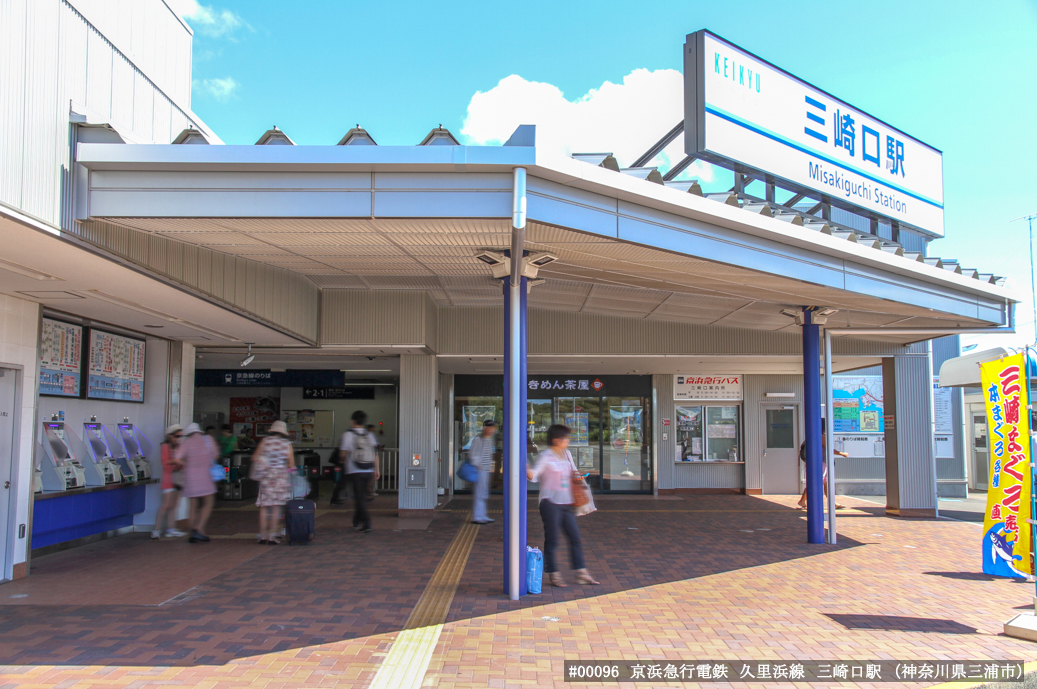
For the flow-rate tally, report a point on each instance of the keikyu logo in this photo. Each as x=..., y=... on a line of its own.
x=739, y=73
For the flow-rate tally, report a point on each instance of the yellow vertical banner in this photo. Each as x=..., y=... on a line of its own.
x=1006, y=525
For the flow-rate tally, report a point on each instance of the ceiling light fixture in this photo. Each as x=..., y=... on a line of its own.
x=795, y=315
x=491, y=258
x=541, y=260
x=365, y=370
x=248, y=358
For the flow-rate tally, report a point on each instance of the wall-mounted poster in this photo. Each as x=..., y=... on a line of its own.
x=857, y=404
x=254, y=411
x=115, y=367
x=579, y=424
x=61, y=358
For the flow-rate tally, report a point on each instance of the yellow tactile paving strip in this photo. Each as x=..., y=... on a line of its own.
x=405, y=665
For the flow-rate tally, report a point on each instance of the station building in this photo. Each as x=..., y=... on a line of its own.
x=144, y=260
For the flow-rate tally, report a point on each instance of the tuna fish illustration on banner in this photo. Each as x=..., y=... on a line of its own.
x=1006, y=526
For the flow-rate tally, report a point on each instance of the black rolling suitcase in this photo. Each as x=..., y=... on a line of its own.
x=299, y=517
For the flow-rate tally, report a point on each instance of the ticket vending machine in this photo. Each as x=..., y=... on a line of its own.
x=99, y=440
x=61, y=467
x=137, y=448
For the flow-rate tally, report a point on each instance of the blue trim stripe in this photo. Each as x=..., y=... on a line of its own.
x=816, y=135
x=820, y=120
x=809, y=151
x=817, y=104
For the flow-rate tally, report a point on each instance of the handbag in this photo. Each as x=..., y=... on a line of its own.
x=217, y=472
x=580, y=489
x=467, y=471
x=583, y=502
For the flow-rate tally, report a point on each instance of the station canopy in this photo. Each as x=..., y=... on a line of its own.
x=370, y=217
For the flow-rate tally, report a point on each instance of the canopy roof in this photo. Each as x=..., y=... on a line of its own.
x=414, y=218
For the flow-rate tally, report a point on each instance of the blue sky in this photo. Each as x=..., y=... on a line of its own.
x=960, y=76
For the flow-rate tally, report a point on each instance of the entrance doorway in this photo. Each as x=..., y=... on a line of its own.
x=781, y=450
x=8, y=441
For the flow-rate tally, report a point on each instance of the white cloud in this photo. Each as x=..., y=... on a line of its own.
x=207, y=19
x=220, y=89
x=625, y=119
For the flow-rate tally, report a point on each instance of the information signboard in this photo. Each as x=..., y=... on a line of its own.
x=857, y=404
x=115, y=367
x=61, y=358
x=707, y=387
x=740, y=109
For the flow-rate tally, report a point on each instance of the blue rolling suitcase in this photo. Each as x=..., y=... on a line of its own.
x=299, y=518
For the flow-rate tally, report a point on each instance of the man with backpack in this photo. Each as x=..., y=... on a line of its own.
x=359, y=466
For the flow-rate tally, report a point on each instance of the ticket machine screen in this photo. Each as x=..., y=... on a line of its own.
x=55, y=433
x=129, y=442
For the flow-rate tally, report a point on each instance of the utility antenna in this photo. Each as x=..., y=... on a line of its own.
x=1033, y=293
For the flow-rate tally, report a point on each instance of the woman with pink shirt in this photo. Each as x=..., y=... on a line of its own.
x=554, y=472
x=197, y=452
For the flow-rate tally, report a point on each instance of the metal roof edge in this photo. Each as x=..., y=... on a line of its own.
x=540, y=163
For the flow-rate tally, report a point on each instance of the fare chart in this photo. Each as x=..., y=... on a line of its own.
x=115, y=368
x=61, y=357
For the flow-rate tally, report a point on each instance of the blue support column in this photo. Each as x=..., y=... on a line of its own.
x=812, y=419
x=524, y=418
x=515, y=438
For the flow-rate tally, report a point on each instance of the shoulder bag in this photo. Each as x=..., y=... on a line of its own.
x=581, y=491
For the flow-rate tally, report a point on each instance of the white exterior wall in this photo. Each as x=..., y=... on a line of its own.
x=106, y=59
x=19, y=338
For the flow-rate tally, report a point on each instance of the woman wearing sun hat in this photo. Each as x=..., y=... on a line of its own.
x=272, y=465
x=170, y=487
x=197, y=452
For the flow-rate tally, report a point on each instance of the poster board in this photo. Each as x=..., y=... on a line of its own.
x=308, y=428
x=61, y=358
x=115, y=367
x=250, y=417
x=857, y=404
x=579, y=423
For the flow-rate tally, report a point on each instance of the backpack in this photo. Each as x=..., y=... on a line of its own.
x=362, y=455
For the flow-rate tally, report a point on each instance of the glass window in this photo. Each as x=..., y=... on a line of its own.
x=612, y=431
x=469, y=415
x=689, y=433
x=626, y=461
x=583, y=416
x=780, y=431
x=722, y=433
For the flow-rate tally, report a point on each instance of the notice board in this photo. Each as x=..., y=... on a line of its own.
x=115, y=367
x=307, y=428
x=61, y=358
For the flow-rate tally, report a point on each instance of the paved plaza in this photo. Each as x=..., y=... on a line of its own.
x=419, y=601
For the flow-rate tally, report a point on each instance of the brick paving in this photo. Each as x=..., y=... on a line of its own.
x=717, y=577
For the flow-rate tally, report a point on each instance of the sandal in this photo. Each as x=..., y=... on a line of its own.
x=556, y=580
x=582, y=577
x=840, y=507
